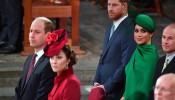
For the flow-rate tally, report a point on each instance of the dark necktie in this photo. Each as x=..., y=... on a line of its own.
x=31, y=66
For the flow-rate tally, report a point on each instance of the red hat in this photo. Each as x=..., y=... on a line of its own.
x=55, y=42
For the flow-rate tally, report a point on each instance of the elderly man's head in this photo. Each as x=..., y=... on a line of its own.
x=165, y=87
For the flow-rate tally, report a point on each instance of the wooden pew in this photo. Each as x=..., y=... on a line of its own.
x=36, y=8
x=150, y=7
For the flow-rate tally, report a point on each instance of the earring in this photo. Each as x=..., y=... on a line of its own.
x=66, y=65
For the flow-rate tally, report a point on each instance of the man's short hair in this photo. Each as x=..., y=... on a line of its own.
x=127, y=1
x=48, y=25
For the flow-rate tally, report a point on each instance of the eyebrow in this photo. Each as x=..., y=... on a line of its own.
x=34, y=30
x=59, y=54
x=144, y=29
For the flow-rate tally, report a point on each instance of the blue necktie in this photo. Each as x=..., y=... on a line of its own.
x=112, y=30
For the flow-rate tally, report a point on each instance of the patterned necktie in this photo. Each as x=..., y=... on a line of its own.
x=165, y=64
x=31, y=66
x=112, y=31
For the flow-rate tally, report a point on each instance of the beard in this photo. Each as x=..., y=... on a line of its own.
x=115, y=16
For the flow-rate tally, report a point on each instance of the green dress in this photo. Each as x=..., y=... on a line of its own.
x=140, y=71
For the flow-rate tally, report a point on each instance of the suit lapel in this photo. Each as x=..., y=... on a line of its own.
x=106, y=40
x=123, y=24
x=159, y=67
x=170, y=66
x=33, y=70
x=26, y=68
x=37, y=64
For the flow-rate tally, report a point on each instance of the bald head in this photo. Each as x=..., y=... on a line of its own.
x=165, y=87
x=168, y=39
x=169, y=77
x=170, y=28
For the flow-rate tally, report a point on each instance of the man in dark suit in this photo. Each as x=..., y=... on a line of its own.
x=10, y=26
x=119, y=46
x=164, y=65
x=36, y=83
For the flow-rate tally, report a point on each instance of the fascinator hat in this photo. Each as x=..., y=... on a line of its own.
x=55, y=42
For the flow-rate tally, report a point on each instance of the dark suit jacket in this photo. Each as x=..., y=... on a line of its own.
x=40, y=82
x=169, y=69
x=115, y=55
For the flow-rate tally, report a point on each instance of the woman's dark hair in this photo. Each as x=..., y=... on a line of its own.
x=141, y=26
x=70, y=54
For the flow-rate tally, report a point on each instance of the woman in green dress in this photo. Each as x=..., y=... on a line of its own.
x=140, y=69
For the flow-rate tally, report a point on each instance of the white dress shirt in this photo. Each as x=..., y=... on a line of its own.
x=39, y=54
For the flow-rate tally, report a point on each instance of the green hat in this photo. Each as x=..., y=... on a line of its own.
x=145, y=22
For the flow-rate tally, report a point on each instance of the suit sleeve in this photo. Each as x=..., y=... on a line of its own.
x=72, y=90
x=128, y=46
x=19, y=86
x=17, y=91
x=46, y=83
x=96, y=79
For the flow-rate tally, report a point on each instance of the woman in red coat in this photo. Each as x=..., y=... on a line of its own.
x=66, y=84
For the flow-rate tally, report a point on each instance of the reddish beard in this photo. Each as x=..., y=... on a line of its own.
x=114, y=16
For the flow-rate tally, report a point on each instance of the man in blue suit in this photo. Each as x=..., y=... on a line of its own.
x=119, y=46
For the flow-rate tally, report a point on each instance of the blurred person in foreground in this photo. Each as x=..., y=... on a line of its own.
x=165, y=87
x=37, y=78
x=62, y=58
x=140, y=69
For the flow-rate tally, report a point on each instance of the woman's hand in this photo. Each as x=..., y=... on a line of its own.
x=95, y=85
x=123, y=98
x=102, y=86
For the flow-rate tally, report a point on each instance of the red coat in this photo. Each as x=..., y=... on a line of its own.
x=66, y=87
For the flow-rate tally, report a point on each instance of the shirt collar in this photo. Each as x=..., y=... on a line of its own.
x=116, y=24
x=170, y=57
x=39, y=54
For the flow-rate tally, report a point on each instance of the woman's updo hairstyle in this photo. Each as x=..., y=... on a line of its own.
x=70, y=54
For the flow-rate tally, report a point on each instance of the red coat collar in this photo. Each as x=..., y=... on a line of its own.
x=63, y=74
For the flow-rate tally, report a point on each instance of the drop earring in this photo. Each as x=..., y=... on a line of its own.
x=67, y=65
